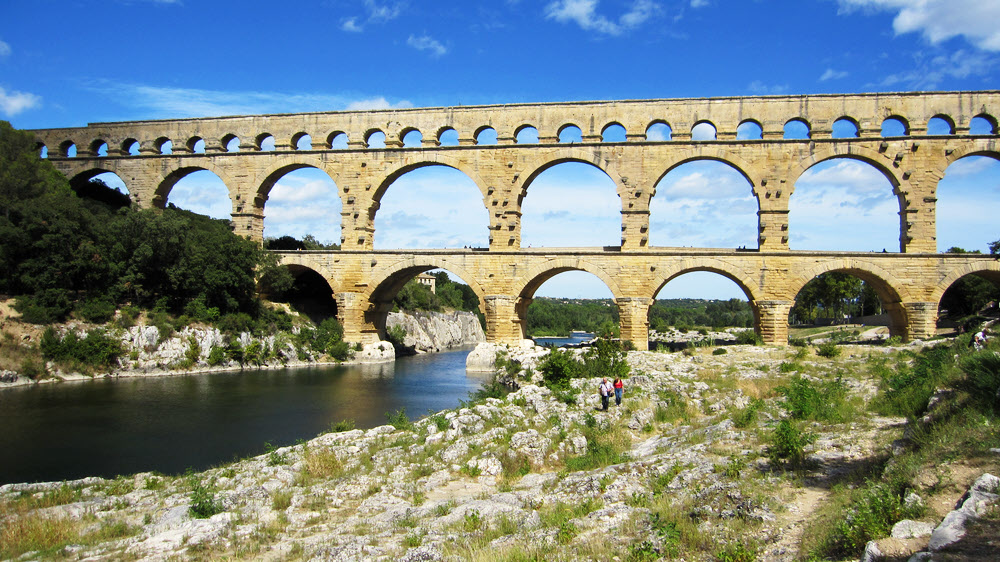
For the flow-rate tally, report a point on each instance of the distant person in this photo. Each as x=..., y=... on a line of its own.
x=979, y=340
x=605, y=391
x=619, y=389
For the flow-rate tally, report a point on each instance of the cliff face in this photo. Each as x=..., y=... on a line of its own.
x=436, y=331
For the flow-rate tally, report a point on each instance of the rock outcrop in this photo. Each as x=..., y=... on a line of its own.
x=437, y=331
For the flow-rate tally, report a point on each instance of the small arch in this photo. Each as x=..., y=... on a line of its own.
x=101, y=185
x=43, y=151
x=570, y=134
x=337, y=140
x=413, y=138
x=895, y=126
x=164, y=145
x=940, y=125
x=375, y=139
x=447, y=136
x=196, y=145
x=797, y=129
x=486, y=136
x=231, y=143
x=265, y=142
x=983, y=124
x=703, y=131
x=67, y=149
x=302, y=141
x=658, y=131
x=99, y=147
x=130, y=147
x=614, y=132
x=749, y=129
x=845, y=128
x=526, y=134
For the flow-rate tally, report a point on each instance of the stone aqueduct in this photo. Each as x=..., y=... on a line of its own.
x=505, y=276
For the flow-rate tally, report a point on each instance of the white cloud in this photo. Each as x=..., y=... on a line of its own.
x=4, y=49
x=832, y=74
x=930, y=72
x=938, y=20
x=382, y=12
x=351, y=24
x=163, y=102
x=15, y=102
x=584, y=13
x=758, y=87
x=699, y=3
x=427, y=43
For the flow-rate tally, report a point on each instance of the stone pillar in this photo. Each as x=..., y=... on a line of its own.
x=503, y=325
x=772, y=229
x=921, y=321
x=249, y=225
x=352, y=312
x=212, y=146
x=772, y=320
x=148, y=148
x=635, y=229
x=633, y=320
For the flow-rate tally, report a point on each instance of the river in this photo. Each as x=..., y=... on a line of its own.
x=109, y=427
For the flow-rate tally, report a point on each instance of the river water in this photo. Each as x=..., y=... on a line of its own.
x=167, y=424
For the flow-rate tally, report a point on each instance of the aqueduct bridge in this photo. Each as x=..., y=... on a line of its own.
x=151, y=156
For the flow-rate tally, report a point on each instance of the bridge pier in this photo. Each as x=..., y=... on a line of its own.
x=352, y=309
x=633, y=319
x=503, y=324
x=921, y=320
x=772, y=320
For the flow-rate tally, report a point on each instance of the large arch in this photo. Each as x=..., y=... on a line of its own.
x=990, y=272
x=528, y=284
x=967, y=194
x=169, y=181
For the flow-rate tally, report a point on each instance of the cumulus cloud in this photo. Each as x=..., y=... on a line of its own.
x=938, y=20
x=584, y=13
x=758, y=87
x=4, y=49
x=427, y=43
x=15, y=102
x=351, y=24
x=166, y=102
x=931, y=71
x=699, y=3
x=832, y=74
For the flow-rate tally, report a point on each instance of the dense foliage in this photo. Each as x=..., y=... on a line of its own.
x=557, y=317
x=447, y=294
x=835, y=295
x=60, y=252
x=308, y=242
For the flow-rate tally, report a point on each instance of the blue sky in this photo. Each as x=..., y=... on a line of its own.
x=69, y=62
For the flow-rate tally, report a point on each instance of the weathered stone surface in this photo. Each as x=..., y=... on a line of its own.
x=437, y=331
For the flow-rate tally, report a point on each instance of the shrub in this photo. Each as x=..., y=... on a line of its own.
x=719, y=351
x=203, y=503
x=558, y=367
x=216, y=356
x=828, y=350
x=745, y=417
x=97, y=311
x=399, y=420
x=749, y=337
x=341, y=426
x=905, y=390
x=96, y=348
x=805, y=399
x=788, y=442
x=982, y=377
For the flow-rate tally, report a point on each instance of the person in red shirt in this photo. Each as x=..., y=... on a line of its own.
x=619, y=389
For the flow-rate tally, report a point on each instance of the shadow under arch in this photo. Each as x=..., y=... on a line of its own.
x=312, y=292
x=388, y=281
x=79, y=184
x=531, y=281
x=885, y=284
x=987, y=270
x=742, y=279
x=168, y=182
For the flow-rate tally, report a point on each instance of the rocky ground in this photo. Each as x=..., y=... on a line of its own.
x=666, y=474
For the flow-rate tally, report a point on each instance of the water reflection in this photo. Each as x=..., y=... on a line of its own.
x=105, y=428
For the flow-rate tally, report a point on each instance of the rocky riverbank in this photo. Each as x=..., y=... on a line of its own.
x=531, y=476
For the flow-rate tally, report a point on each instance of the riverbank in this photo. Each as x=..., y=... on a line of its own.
x=679, y=469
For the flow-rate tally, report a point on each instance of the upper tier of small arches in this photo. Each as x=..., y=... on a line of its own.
x=715, y=119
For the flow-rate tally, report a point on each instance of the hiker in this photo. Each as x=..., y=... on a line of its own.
x=619, y=389
x=979, y=340
x=605, y=391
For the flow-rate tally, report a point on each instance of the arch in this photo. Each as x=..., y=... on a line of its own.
x=169, y=181
x=940, y=124
x=527, y=284
x=570, y=133
x=703, y=131
x=231, y=143
x=840, y=150
x=130, y=147
x=67, y=149
x=43, y=151
x=895, y=126
x=374, y=138
x=966, y=197
x=99, y=148
x=447, y=136
x=300, y=200
x=264, y=142
x=614, y=132
x=486, y=136
x=196, y=145
x=845, y=127
x=412, y=138
x=858, y=185
x=983, y=124
x=717, y=155
x=749, y=129
x=526, y=134
x=704, y=202
x=80, y=183
x=164, y=145
x=745, y=280
x=797, y=128
x=301, y=141
x=659, y=131
x=266, y=179
x=988, y=268
x=337, y=140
